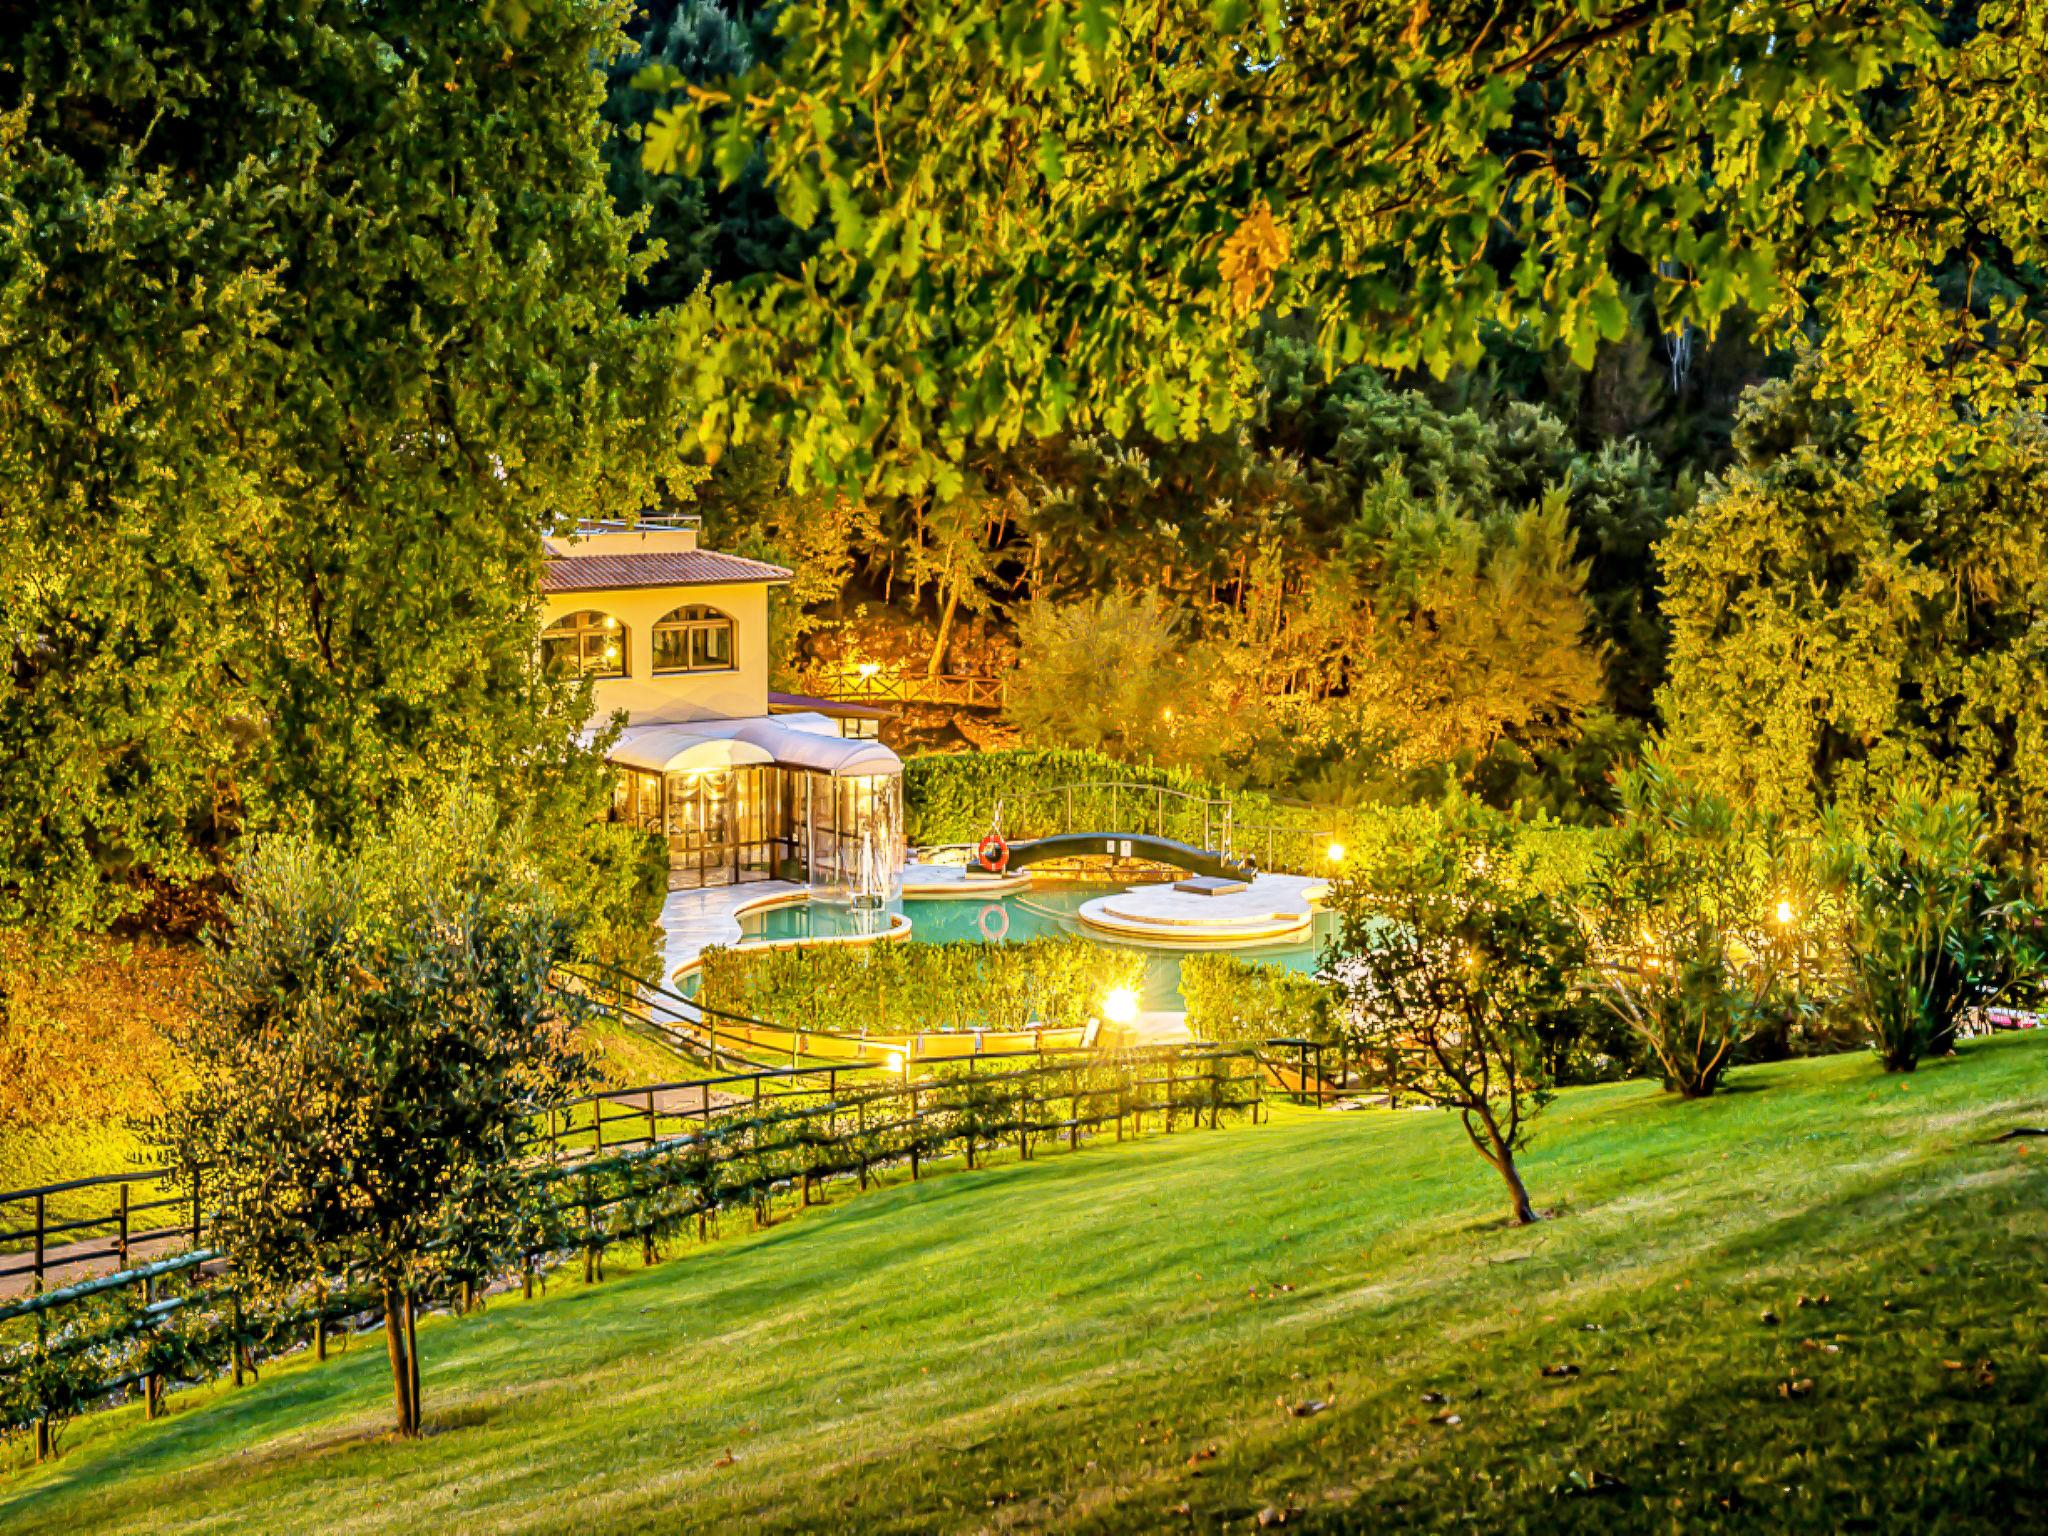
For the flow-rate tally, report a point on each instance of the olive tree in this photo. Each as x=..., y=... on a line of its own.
x=1454, y=968
x=376, y=1037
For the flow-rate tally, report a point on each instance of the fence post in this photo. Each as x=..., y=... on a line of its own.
x=597, y=1121
x=1172, y=1089
x=320, y=1322
x=40, y=1214
x=152, y=1384
x=235, y=1335
x=861, y=1138
x=916, y=1130
x=652, y=1135
x=121, y=1242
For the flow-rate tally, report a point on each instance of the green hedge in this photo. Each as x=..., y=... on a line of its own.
x=948, y=797
x=903, y=989
x=1242, y=1002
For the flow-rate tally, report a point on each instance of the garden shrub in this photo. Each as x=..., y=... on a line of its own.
x=1236, y=1001
x=1683, y=902
x=1926, y=928
x=904, y=989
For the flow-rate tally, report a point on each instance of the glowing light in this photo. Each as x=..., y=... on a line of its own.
x=1784, y=911
x=1120, y=1005
x=1335, y=853
x=868, y=669
x=895, y=1061
x=610, y=622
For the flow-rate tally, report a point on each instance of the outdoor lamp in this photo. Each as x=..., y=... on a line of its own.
x=1785, y=912
x=895, y=1061
x=868, y=669
x=1120, y=1005
x=1336, y=853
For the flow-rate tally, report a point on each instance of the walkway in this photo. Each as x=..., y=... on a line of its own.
x=693, y=921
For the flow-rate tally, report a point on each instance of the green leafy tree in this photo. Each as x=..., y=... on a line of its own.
x=309, y=324
x=1927, y=930
x=377, y=1037
x=1454, y=969
x=1833, y=636
x=1045, y=219
x=1102, y=674
x=708, y=231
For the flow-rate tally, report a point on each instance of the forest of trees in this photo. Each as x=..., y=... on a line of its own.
x=1516, y=571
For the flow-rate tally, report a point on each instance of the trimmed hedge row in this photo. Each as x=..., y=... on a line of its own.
x=1236, y=1001
x=906, y=989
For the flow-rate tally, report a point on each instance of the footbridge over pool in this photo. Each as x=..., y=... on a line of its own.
x=1125, y=845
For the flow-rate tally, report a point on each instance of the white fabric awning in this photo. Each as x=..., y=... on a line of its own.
x=794, y=741
x=678, y=749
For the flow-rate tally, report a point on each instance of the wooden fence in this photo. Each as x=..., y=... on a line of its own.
x=909, y=685
x=645, y=1164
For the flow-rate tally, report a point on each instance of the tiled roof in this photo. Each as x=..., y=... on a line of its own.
x=679, y=568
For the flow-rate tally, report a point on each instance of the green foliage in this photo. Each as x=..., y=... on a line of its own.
x=707, y=230
x=1684, y=901
x=1454, y=969
x=1927, y=928
x=1834, y=636
x=1045, y=220
x=1099, y=674
x=309, y=322
x=375, y=1042
x=1236, y=1001
x=905, y=989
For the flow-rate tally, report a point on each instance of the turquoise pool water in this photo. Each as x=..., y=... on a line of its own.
x=1025, y=915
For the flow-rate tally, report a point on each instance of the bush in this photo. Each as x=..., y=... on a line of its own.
x=1926, y=929
x=1684, y=900
x=1235, y=1001
x=905, y=989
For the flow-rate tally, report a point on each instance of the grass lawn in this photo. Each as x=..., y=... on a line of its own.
x=1134, y=1336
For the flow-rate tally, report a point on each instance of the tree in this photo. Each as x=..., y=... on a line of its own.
x=1927, y=931
x=708, y=232
x=377, y=1038
x=1834, y=636
x=1102, y=674
x=1037, y=219
x=1683, y=899
x=309, y=325
x=1454, y=969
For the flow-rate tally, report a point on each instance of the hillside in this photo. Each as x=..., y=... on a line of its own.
x=1139, y=1334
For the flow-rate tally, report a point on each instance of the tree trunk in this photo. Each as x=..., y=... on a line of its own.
x=412, y=1358
x=945, y=624
x=1519, y=1209
x=395, y=1343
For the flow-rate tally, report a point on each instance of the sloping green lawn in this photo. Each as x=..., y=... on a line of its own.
x=1135, y=1336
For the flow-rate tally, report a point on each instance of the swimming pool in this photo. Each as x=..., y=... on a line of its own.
x=1045, y=912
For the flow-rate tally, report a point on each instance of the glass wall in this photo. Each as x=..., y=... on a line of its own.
x=731, y=825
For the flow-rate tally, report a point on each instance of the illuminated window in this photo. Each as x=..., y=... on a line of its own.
x=589, y=642
x=693, y=638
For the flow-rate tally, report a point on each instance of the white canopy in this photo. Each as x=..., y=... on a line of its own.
x=793, y=741
x=678, y=749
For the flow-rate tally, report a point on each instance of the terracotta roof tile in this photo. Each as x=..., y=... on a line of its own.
x=679, y=568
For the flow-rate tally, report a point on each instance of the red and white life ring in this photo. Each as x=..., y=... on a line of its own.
x=993, y=854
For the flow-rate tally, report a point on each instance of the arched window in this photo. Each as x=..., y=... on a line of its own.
x=589, y=642
x=693, y=638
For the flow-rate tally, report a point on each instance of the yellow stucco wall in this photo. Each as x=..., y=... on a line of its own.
x=647, y=699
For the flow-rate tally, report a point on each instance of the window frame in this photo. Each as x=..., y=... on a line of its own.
x=578, y=629
x=702, y=622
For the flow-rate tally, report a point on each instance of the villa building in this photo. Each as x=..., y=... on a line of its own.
x=741, y=783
